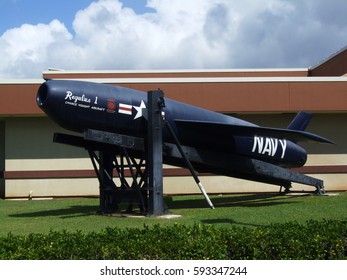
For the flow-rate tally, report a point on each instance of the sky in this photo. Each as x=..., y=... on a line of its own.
x=167, y=34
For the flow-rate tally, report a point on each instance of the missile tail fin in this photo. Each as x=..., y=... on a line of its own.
x=300, y=122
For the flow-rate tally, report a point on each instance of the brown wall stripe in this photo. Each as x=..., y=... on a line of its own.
x=168, y=172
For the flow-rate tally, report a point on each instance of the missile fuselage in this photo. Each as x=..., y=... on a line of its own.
x=78, y=106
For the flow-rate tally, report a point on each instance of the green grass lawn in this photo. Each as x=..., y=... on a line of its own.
x=40, y=216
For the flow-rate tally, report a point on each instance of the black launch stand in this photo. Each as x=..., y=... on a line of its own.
x=145, y=185
x=129, y=169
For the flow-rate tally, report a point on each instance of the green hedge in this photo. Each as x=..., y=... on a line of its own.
x=313, y=240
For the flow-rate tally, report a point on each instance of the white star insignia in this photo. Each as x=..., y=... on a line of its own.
x=141, y=111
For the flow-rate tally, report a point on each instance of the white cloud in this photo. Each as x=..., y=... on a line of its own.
x=180, y=34
x=25, y=50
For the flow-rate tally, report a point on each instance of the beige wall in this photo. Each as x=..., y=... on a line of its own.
x=29, y=147
x=32, y=138
x=2, y=157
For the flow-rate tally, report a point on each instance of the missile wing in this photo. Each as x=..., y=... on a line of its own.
x=242, y=130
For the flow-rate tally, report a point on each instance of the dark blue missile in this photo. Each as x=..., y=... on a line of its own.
x=78, y=106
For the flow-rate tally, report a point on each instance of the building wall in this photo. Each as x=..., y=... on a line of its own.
x=32, y=165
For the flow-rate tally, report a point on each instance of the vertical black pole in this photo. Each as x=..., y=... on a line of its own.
x=106, y=186
x=102, y=181
x=155, y=102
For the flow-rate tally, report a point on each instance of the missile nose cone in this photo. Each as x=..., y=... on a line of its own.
x=41, y=96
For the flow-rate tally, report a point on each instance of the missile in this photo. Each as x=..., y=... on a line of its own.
x=211, y=141
x=79, y=105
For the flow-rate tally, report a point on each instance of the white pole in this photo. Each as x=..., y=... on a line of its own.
x=205, y=195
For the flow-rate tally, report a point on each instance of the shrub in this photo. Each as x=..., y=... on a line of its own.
x=313, y=240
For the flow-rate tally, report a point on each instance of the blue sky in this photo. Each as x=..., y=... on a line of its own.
x=167, y=34
x=14, y=13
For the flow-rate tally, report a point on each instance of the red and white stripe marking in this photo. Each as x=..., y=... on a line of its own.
x=125, y=109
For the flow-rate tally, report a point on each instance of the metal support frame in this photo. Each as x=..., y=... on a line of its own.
x=136, y=163
x=132, y=180
x=155, y=103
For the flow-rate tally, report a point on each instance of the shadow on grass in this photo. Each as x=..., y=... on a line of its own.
x=70, y=212
x=186, y=202
x=246, y=200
